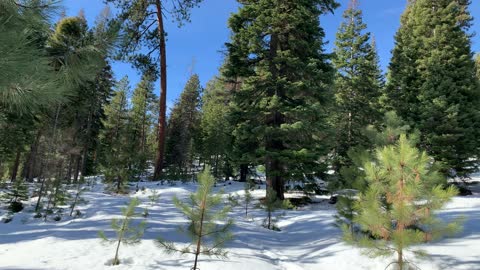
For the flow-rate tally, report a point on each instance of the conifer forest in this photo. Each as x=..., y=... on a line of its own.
x=240, y=134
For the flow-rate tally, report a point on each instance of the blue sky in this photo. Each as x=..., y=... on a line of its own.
x=199, y=45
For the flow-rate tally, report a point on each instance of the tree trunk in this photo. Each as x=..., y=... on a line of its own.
x=200, y=232
x=273, y=166
x=77, y=168
x=69, y=169
x=16, y=164
x=243, y=172
x=32, y=157
x=400, y=259
x=163, y=95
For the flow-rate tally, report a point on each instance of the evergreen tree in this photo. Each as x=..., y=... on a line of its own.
x=215, y=128
x=204, y=211
x=358, y=82
x=431, y=81
x=271, y=204
x=17, y=193
x=183, y=127
x=397, y=209
x=284, y=78
x=354, y=176
x=117, y=147
x=143, y=24
x=248, y=197
x=141, y=116
x=27, y=80
x=126, y=233
x=477, y=65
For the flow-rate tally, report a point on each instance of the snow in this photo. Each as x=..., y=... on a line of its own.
x=307, y=240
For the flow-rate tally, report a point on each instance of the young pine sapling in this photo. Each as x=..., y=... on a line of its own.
x=126, y=233
x=153, y=198
x=271, y=204
x=248, y=198
x=208, y=237
x=16, y=194
x=397, y=209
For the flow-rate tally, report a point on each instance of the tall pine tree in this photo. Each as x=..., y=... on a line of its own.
x=183, y=127
x=215, y=128
x=276, y=49
x=358, y=83
x=117, y=146
x=141, y=116
x=432, y=83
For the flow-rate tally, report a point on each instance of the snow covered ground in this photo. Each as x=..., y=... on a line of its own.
x=307, y=240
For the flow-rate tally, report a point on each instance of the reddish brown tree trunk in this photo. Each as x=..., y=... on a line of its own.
x=16, y=164
x=163, y=95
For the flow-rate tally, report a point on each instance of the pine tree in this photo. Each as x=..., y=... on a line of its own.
x=183, y=127
x=143, y=24
x=248, y=197
x=215, y=129
x=271, y=204
x=17, y=193
x=354, y=176
x=397, y=209
x=477, y=65
x=126, y=233
x=284, y=73
x=431, y=81
x=141, y=121
x=358, y=82
x=204, y=211
x=117, y=147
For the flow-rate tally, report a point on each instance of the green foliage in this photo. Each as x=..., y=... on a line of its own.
x=183, y=127
x=233, y=200
x=271, y=203
x=281, y=79
x=142, y=121
x=358, y=82
x=397, y=209
x=204, y=211
x=215, y=145
x=27, y=81
x=152, y=198
x=116, y=139
x=127, y=234
x=432, y=82
x=248, y=197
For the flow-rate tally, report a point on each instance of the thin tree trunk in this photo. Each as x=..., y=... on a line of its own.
x=400, y=259
x=199, y=241
x=163, y=94
x=70, y=168
x=16, y=164
x=77, y=168
x=31, y=159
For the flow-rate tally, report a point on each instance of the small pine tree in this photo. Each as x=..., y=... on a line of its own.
x=153, y=198
x=77, y=195
x=208, y=237
x=233, y=200
x=353, y=177
x=271, y=204
x=126, y=233
x=397, y=209
x=248, y=197
x=16, y=195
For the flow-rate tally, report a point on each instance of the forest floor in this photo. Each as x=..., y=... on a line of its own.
x=308, y=238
